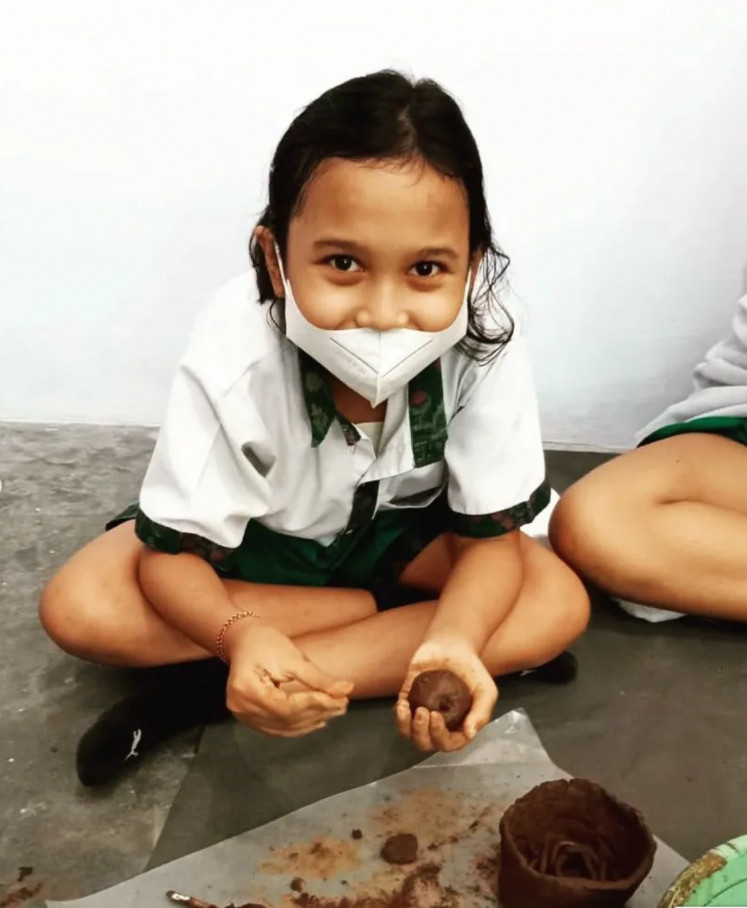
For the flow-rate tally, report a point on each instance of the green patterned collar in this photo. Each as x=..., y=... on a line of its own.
x=320, y=404
x=427, y=416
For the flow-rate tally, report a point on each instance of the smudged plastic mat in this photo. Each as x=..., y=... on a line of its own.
x=452, y=802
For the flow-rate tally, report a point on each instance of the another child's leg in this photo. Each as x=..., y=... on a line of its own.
x=94, y=608
x=665, y=525
x=551, y=612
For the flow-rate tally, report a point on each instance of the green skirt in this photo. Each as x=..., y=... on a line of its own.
x=733, y=427
x=371, y=558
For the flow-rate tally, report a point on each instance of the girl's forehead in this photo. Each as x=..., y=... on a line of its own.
x=405, y=196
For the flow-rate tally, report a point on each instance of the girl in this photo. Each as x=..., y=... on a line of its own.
x=665, y=527
x=353, y=428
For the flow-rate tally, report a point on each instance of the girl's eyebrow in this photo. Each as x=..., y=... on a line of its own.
x=348, y=246
x=338, y=245
x=437, y=252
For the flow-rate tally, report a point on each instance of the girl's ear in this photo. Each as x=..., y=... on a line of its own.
x=263, y=236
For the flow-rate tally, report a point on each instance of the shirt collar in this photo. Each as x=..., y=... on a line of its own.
x=320, y=404
x=427, y=415
x=426, y=404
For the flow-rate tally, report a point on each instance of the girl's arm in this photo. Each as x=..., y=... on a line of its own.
x=496, y=484
x=483, y=586
x=472, y=607
x=188, y=594
x=271, y=685
x=208, y=477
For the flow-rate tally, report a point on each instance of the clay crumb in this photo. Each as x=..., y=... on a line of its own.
x=400, y=849
x=419, y=889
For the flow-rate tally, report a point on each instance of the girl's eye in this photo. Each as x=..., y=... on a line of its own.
x=343, y=263
x=427, y=269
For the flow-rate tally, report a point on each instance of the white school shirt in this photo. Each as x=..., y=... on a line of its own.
x=251, y=434
x=720, y=381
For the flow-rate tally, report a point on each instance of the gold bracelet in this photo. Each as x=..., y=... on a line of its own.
x=220, y=648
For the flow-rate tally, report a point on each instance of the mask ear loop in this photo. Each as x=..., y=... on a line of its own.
x=280, y=324
x=280, y=265
x=467, y=298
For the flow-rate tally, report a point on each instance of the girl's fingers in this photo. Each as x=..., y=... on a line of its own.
x=440, y=735
x=270, y=724
x=483, y=700
x=443, y=739
x=404, y=692
x=295, y=732
x=298, y=724
x=281, y=710
x=290, y=706
x=403, y=718
x=305, y=671
x=301, y=705
x=421, y=729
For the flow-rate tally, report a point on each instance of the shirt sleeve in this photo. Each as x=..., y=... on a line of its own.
x=208, y=474
x=494, y=455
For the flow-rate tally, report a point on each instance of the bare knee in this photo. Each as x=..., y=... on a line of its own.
x=578, y=513
x=93, y=607
x=567, y=611
x=607, y=533
x=602, y=525
x=66, y=612
x=598, y=527
x=87, y=607
x=552, y=612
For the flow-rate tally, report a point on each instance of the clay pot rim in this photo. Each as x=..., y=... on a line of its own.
x=633, y=879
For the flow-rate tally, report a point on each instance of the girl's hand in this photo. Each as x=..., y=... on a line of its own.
x=427, y=730
x=274, y=688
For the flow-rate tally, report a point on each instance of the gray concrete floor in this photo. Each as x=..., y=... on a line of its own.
x=58, y=485
x=657, y=713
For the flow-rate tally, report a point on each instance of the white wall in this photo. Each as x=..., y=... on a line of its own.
x=135, y=139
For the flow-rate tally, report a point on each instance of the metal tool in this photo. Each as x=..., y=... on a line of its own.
x=189, y=900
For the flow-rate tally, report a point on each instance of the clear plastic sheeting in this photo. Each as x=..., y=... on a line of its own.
x=331, y=850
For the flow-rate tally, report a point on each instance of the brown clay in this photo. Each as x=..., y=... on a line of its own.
x=400, y=849
x=571, y=844
x=421, y=888
x=443, y=692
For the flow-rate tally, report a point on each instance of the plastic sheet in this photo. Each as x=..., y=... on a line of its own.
x=452, y=802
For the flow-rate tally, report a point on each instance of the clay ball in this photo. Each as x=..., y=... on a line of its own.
x=442, y=692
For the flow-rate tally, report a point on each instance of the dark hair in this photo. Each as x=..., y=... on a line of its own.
x=385, y=115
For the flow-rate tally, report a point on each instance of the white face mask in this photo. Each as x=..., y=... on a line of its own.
x=376, y=364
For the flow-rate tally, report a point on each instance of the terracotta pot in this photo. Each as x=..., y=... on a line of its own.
x=571, y=844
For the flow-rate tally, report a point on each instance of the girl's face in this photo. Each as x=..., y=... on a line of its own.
x=377, y=245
